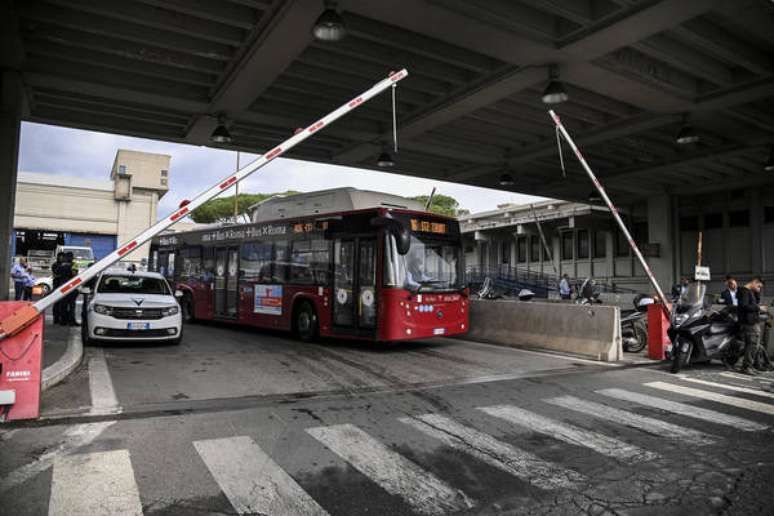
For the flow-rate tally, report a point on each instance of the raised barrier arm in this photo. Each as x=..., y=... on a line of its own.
x=25, y=316
x=613, y=210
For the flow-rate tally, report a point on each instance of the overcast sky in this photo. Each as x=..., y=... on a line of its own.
x=88, y=154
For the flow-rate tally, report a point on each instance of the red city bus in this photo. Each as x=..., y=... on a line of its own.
x=379, y=274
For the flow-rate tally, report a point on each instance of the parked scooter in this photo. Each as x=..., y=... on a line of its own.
x=488, y=291
x=700, y=334
x=589, y=293
x=634, y=324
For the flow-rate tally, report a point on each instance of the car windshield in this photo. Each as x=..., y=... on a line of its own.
x=132, y=285
x=430, y=265
x=80, y=254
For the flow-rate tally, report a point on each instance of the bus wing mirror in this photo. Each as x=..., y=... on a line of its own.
x=397, y=229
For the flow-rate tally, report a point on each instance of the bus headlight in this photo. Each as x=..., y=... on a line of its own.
x=170, y=310
x=103, y=309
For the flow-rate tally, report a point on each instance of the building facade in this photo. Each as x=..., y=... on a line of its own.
x=56, y=210
x=737, y=230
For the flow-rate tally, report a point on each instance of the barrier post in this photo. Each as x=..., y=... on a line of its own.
x=21, y=358
x=658, y=324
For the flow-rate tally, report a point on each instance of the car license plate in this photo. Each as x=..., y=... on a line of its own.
x=439, y=331
x=138, y=326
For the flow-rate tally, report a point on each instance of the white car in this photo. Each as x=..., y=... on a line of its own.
x=132, y=306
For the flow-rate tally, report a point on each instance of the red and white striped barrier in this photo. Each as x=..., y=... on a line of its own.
x=16, y=322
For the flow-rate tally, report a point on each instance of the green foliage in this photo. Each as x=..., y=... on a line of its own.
x=441, y=204
x=221, y=209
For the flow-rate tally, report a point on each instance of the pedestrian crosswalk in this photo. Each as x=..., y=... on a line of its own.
x=253, y=480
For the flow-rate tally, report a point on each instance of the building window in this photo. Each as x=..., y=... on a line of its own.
x=739, y=218
x=505, y=251
x=521, y=248
x=567, y=245
x=163, y=182
x=713, y=220
x=534, y=249
x=768, y=215
x=164, y=173
x=122, y=170
x=621, y=245
x=600, y=244
x=640, y=233
x=583, y=244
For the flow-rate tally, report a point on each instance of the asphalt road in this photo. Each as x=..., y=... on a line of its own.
x=247, y=422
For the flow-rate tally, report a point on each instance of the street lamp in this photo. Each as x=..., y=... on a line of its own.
x=554, y=92
x=221, y=133
x=385, y=160
x=329, y=26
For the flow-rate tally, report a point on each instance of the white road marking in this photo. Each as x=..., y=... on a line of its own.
x=252, y=481
x=652, y=425
x=94, y=484
x=423, y=491
x=756, y=406
x=571, y=434
x=745, y=377
x=75, y=437
x=103, y=397
x=747, y=390
x=683, y=409
x=517, y=462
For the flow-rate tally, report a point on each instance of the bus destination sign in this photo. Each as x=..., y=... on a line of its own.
x=426, y=226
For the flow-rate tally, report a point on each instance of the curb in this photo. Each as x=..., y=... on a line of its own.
x=61, y=369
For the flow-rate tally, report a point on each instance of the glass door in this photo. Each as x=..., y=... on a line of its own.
x=343, y=282
x=366, y=283
x=354, y=284
x=226, y=282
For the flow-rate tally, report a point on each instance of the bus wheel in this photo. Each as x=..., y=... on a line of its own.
x=305, y=322
x=187, y=308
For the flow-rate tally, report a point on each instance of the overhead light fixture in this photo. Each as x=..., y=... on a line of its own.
x=385, y=160
x=686, y=135
x=769, y=166
x=594, y=197
x=221, y=133
x=506, y=180
x=329, y=26
x=554, y=92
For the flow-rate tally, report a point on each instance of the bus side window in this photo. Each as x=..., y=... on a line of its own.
x=280, y=261
x=301, y=262
x=191, y=262
x=256, y=261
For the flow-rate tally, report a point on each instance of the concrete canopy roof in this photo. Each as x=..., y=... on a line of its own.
x=471, y=107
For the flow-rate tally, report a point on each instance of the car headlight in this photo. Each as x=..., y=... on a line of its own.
x=103, y=309
x=170, y=310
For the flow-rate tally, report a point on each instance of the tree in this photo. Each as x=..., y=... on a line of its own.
x=441, y=204
x=221, y=209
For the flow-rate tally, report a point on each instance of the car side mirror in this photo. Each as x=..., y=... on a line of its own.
x=85, y=290
x=179, y=294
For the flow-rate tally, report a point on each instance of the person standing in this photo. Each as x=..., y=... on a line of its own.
x=749, y=309
x=729, y=296
x=56, y=276
x=18, y=274
x=565, y=291
x=71, y=272
x=679, y=289
x=29, y=282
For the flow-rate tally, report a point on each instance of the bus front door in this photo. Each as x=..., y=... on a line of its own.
x=354, y=283
x=226, y=282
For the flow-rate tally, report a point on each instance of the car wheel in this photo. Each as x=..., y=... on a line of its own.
x=306, y=323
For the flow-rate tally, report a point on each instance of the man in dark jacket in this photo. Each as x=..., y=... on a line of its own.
x=749, y=309
x=728, y=296
x=56, y=278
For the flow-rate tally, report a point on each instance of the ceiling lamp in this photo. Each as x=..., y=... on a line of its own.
x=686, y=135
x=329, y=26
x=385, y=160
x=221, y=133
x=506, y=180
x=554, y=92
x=769, y=166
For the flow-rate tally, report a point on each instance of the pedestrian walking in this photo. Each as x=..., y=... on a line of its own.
x=18, y=274
x=56, y=277
x=565, y=292
x=749, y=310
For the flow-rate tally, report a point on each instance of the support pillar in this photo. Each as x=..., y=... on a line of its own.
x=661, y=232
x=11, y=108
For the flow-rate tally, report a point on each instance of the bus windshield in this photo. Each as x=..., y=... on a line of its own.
x=431, y=265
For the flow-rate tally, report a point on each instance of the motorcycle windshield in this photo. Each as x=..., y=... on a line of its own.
x=693, y=295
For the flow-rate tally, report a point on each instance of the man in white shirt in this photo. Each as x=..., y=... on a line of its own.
x=19, y=275
x=564, y=287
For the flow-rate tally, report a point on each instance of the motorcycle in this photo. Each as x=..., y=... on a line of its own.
x=589, y=293
x=634, y=325
x=700, y=334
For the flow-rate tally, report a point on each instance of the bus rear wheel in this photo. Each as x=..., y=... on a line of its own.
x=306, y=322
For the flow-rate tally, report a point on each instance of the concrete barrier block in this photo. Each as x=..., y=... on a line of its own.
x=588, y=331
